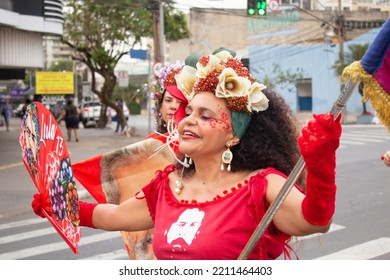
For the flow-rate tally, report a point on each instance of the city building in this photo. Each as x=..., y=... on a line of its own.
x=23, y=25
x=293, y=37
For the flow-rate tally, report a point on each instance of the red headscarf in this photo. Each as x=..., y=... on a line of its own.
x=176, y=93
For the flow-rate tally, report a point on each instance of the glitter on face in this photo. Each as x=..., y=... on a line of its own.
x=224, y=121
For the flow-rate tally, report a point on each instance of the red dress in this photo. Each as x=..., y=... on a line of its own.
x=213, y=230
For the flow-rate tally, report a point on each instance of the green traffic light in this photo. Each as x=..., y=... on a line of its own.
x=261, y=7
x=251, y=11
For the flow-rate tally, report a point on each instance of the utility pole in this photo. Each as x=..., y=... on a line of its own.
x=161, y=31
x=340, y=31
x=340, y=35
x=155, y=7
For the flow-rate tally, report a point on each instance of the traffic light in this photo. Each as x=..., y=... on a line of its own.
x=262, y=7
x=256, y=7
x=251, y=7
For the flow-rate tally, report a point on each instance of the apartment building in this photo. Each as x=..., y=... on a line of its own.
x=23, y=26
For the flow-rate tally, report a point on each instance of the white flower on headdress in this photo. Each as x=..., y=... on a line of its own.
x=257, y=101
x=224, y=55
x=231, y=85
x=214, y=63
x=185, y=81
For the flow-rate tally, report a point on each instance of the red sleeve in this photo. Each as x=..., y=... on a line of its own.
x=150, y=192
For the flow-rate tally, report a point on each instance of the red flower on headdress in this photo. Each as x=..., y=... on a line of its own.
x=170, y=78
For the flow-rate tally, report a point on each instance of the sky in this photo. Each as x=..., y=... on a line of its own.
x=222, y=4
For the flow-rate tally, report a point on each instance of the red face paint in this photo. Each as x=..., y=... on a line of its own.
x=224, y=121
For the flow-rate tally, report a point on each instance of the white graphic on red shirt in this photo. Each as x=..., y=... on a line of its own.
x=186, y=227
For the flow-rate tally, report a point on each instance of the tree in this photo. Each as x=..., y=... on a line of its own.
x=356, y=53
x=280, y=77
x=61, y=65
x=102, y=32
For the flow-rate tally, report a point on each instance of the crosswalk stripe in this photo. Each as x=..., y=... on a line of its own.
x=351, y=142
x=367, y=139
x=22, y=223
x=370, y=132
x=26, y=235
x=369, y=135
x=52, y=247
x=363, y=251
x=116, y=255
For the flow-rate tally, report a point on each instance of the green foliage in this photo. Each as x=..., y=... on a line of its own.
x=175, y=26
x=355, y=53
x=280, y=77
x=61, y=65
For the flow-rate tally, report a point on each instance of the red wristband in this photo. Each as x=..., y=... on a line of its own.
x=86, y=213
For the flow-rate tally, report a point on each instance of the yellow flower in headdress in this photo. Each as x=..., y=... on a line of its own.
x=224, y=55
x=257, y=99
x=185, y=81
x=207, y=64
x=231, y=85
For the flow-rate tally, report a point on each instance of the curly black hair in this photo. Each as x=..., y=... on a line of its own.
x=269, y=140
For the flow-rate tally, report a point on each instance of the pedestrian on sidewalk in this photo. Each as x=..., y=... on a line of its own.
x=71, y=114
x=6, y=112
x=116, y=118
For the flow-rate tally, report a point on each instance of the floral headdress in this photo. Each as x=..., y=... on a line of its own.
x=224, y=75
x=166, y=77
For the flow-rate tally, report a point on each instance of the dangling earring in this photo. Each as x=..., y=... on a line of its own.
x=227, y=157
x=187, y=161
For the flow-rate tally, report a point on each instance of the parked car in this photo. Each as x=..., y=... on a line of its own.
x=90, y=112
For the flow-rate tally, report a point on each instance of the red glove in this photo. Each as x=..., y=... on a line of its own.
x=85, y=212
x=41, y=202
x=318, y=143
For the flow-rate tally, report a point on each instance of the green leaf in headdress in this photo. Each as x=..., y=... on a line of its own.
x=233, y=53
x=192, y=59
x=240, y=121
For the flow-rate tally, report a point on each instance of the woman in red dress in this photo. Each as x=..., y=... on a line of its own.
x=243, y=141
